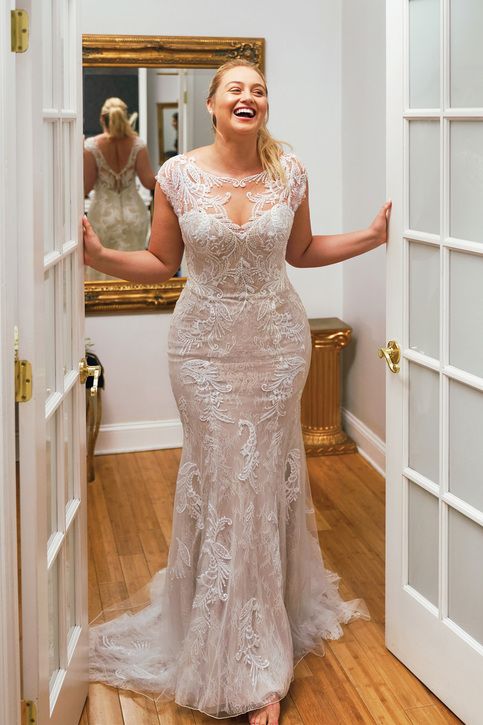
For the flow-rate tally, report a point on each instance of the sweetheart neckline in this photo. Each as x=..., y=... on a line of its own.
x=229, y=222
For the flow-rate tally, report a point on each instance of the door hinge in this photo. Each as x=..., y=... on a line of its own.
x=29, y=712
x=23, y=375
x=19, y=31
x=185, y=97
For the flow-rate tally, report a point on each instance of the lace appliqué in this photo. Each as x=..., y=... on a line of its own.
x=187, y=497
x=213, y=582
x=249, y=640
x=292, y=481
x=281, y=386
x=249, y=451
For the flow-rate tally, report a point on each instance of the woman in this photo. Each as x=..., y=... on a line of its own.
x=245, y=593
x=111, y=162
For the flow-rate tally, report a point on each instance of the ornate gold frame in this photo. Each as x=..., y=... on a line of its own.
x=155, y=51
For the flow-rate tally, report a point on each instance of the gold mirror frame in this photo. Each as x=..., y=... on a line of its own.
x=155, y=51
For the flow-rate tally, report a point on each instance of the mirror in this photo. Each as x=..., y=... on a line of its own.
x=164, y=83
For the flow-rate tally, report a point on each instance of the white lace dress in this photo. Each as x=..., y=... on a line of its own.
x=117, y=212
x=245, y=593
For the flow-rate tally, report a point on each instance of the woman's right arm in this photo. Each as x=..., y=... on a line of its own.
x=157, y=263
x=90, y=171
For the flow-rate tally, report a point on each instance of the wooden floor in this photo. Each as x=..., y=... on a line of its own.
x=357, y=681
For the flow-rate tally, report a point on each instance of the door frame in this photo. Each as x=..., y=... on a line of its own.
x=9, y=614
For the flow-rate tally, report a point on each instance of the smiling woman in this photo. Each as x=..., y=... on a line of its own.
x=226, y=624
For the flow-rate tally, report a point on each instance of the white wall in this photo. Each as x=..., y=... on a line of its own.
x=363, y=192
x=303, y=66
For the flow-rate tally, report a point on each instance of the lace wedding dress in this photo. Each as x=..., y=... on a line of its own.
x=245, y=593
x=117, y=212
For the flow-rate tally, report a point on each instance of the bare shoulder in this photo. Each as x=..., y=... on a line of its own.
x=202, y=153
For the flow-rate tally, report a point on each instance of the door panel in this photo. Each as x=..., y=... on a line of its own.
x=52, y=425
x=434, y=504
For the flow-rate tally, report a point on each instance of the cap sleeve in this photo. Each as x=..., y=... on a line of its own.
x=297, y=182
x=90, y=144
x=169, y=179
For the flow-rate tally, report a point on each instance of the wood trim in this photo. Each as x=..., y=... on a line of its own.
x=10, y=676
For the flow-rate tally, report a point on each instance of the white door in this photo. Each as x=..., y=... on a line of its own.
x=434, y=523
x=50, y=322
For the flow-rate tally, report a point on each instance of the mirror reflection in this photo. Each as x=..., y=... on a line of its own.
x=135, y=119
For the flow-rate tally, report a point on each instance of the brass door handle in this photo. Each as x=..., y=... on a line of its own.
x=392, y=353
x=88, y=371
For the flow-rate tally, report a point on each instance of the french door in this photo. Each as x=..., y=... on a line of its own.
x=434, y=524
x=50, y=324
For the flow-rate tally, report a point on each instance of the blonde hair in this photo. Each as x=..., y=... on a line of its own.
x=115, y=119
x=269, y=149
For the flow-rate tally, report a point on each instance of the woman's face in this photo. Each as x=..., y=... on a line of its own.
x=240, y=103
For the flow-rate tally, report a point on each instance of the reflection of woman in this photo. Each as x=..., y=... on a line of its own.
x=245, y=593
x=111, y=162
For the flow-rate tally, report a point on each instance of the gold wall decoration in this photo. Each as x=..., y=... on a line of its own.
x=156, y=51
x=163, y=51
x=118, y=296
x=321, y=406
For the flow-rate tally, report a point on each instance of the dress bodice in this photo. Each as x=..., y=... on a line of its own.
x=225, y=258
x=109, y=179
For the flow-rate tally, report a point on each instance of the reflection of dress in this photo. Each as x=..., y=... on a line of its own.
x=245, y=593
x=117, y=212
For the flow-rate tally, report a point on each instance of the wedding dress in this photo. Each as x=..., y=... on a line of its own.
x=245, y=593
x=117, y=212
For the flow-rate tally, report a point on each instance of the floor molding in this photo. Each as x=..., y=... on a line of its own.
x=144, y=435
x=369, y=445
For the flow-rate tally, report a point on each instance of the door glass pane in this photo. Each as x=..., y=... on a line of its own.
x=48, y=186
x=424, y=298
x=50, y=338
x=465, y=581
x=47, y=52
x=53, y=585
x=423, y=542
x=466, y=180
x=68, y=447
x=51, y=460
x=69, y=49
x=67, y=313
x=466, y=53
x=424, y=421
x=424, y=176
x=466, y=312
x=424, y=53
x=67, y=188
x=70, y=579
x=465, y=449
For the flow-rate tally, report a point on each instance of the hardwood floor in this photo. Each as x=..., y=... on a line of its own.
x=357, y=681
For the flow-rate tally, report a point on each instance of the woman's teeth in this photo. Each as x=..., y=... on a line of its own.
x=244, y=112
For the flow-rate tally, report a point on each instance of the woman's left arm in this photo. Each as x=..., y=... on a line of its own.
x=306, y=250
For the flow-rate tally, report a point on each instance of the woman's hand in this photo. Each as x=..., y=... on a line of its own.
x=92, y=246
x=380, y=224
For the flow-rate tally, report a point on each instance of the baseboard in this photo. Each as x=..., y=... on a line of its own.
x=144, y=435
x=369, y=445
